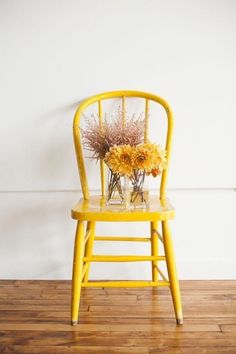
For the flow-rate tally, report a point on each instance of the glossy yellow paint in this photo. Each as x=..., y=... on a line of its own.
x=129, y=258
x=154, y=249
x=95, y=209
x=161, y=273
x=102, y=164
x=146, y=121
x=124, y=284
x=89, y=246
x=122, y=238
x=92, y=209
x=77, y=271
x=172, y=273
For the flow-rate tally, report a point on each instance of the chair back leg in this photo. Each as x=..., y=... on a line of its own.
x=172, y=272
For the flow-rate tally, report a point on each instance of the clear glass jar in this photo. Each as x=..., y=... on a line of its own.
x=117, y=189
x=127, y=191
x=139, y=195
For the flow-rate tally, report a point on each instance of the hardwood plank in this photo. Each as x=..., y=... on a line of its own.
x=115, y=350
x=220, y=295
x=40, y=283
x=31, y=336
x=66, y=297
x=48, y=303
x=208, y=284
x=158, y=314
x=132, y=338
x=196, y=350
x=71, y=350
x=197, y=310
x=41, y=307
x=229, y=328
x=161, y=325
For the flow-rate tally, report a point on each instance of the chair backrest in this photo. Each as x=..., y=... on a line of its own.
x=123, y=95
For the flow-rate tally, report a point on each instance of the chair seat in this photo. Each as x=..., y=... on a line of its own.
x=95, y=209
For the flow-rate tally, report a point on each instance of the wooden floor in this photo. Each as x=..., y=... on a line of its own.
x=35, y=318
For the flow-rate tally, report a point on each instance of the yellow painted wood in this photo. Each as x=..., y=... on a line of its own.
x=102, y=164
x=77, y=271
x=89, y=246
x=129, y=258
x=159, y=237
x=161, y=273
x=95, y=209
x=100, y=112
x=146, y=120
x=87, y=235
x=85, y=268
x=122, y=238
x=124, y=284
x=80, y=162
x=154, y=249
x=172, y=273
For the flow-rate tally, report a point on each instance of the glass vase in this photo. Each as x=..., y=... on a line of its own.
x=117, y=189
x=127, y=191
x=139, y=195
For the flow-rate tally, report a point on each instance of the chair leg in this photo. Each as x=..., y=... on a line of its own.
x=77, y=271
x=89, y=247
x=171, y=268
x=154, y=249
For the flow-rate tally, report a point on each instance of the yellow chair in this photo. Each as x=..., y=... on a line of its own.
x=92, y=209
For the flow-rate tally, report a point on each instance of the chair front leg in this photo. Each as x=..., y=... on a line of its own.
x=154, y=249
x=89, y=246
x=172, y=273
x=77, y=271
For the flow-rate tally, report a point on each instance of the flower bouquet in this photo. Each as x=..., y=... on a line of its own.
x=129, y=159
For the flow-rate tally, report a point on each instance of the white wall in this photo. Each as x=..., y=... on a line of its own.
x=54, y=54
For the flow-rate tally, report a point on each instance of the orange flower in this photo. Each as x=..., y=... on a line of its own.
x=155, y=172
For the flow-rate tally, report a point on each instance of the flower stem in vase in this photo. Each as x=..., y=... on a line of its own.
x=114, y=185
x=138, y=195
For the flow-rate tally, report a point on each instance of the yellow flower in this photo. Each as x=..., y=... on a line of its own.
x=149, y=157
x=119, y=159
x=124, y=159
x=142, y=157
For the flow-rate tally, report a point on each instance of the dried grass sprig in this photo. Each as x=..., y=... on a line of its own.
x=100, y=137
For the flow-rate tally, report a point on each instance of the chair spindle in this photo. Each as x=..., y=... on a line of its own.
x=146, y=122
x=102, y=165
